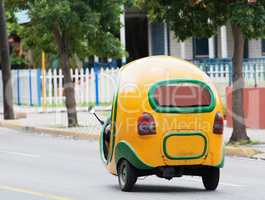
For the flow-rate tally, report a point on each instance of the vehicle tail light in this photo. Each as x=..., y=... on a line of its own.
x=146, y=124
x=218, y=126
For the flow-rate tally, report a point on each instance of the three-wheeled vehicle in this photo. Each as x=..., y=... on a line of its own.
x=166, y=120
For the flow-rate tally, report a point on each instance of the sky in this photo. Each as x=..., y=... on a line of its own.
x=22, y=17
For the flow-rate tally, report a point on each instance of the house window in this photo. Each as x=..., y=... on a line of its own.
x=263, y=47
x=200, y=48
x=246, y=52
x=158, y=38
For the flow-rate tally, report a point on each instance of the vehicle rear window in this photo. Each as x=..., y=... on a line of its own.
x=186, y=95
x=181, y=96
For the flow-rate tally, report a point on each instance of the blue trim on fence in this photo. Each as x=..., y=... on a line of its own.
x=255, y=75
x=30, y=89
x=97, y=67
x=104, y=65
x=18, y=88
x=39, y=86
x=230, y=78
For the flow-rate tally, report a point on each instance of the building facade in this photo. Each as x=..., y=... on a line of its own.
x=142, y=38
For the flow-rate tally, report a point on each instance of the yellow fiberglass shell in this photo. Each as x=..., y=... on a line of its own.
x=182, y=138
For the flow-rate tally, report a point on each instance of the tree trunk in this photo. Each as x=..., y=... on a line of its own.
x=69, y=91
x=239, y=127
x=6, y=68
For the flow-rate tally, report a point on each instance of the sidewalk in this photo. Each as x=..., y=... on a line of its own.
x=256, y=135
x=255, y=150
x=54, y=121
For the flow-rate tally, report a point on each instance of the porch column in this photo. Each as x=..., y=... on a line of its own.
x=123, y=33
x=96, y=59
x=211, y=47
x=224, y=49
x=166, y=38
x=150, y=38
x=183, y=50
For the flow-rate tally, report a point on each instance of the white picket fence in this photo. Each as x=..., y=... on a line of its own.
x=24, y=85
x=90, y=86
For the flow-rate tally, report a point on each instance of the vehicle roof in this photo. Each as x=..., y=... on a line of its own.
x=149, y=70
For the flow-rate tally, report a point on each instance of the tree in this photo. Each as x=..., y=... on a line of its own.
x=201, y=18
x=6, y=68
x=77, y=27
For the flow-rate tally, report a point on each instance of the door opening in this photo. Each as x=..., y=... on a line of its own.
x=136, y=37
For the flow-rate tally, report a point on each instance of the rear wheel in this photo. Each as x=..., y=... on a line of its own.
x=127, y=176
x=210, y=178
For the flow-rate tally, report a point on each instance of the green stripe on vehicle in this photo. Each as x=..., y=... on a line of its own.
x=113, y=121
x=199, y=109
x=222, y=162
x=124, y=150
x=179, y=134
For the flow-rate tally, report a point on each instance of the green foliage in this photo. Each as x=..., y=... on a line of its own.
x=12, y=26
x=18, y=61
x=202, y=19
x=89, y=27
x=13, y=5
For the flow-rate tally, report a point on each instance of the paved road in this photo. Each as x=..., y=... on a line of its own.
x=34, y=167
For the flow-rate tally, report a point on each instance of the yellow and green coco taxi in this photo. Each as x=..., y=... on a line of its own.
x=167, y=121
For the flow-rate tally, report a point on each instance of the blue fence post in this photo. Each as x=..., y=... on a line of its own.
x=96, y=66
x=30, y=89
x=18, y=88
x=205, y=67
x=230, y=65
x=263, y=64
x=255, y=75
x=39, y=86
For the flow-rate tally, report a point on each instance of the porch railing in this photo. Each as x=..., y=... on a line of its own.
x=221, y=70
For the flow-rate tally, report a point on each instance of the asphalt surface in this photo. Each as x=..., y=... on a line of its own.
x=39, y=167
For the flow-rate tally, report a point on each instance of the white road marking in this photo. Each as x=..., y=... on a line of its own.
x=33, y=193
x=19, y=154
x=231, y=184
x=221, y=183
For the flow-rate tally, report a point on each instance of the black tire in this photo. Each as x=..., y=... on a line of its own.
x=210, y=178
x=127, y=176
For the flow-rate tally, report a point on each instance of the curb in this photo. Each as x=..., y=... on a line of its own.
x=50, y=131
x=246, y=152
x=260, y=156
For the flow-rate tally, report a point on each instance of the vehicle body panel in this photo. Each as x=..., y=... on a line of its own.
x=200, y=146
